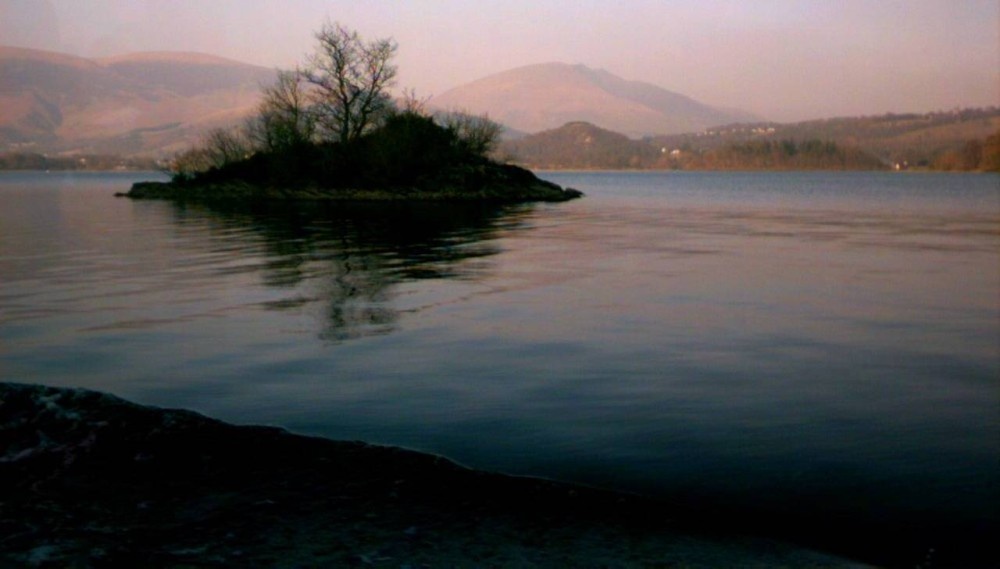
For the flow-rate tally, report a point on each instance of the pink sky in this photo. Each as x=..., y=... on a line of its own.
x=782, y=59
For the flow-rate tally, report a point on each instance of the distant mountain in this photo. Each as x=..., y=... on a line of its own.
x=139, y=103
x=546, y=96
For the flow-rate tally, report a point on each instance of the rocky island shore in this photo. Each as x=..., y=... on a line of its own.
x=90, y=480
x=486, y=182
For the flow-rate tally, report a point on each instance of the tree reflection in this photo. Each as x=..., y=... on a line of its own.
x=349, y=258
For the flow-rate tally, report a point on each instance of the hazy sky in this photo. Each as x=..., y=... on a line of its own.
x=783, y=59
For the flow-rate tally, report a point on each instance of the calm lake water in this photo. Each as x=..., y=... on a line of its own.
x=810, y=355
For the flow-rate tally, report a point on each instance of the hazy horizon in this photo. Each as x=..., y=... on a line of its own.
x=782, y=60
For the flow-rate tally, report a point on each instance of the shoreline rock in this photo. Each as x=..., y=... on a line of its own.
x=88, y=479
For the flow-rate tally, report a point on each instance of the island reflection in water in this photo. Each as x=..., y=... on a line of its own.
x=343, y=262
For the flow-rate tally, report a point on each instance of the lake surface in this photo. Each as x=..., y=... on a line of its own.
x=807, y=355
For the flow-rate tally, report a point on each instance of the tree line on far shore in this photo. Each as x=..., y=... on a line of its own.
x=584, y=146
x=975, y=155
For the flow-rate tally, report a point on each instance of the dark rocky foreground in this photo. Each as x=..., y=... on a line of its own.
x=90, y=480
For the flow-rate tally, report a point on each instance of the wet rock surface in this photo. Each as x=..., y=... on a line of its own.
x=90, y=480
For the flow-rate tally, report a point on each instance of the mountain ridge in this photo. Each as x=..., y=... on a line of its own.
x=153, y=102
x=543, y=96
x=193, y=57
x=14, y=52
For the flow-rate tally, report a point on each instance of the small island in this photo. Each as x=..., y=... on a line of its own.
x=330, y=131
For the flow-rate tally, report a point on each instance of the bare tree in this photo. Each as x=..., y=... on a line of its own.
x=478, y=133
x=350, y=77
x=218, y=147
x=283, y=119
x=225, y=146
x=189, y=163
x=409, y=102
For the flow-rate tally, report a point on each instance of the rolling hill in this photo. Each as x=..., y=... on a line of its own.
x=580, y=145
x=545, y=96
x=146, y=103
x=920, y=140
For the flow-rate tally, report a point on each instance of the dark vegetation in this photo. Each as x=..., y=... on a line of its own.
x=407, y=151
x=978, y=155
x=787, y=154
x=581, y=145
